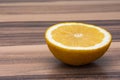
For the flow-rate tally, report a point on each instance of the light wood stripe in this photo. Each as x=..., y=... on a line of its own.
x=59, y=7
x=61, y=17
x=31, y=61
x=36, y=48
x=60, y=2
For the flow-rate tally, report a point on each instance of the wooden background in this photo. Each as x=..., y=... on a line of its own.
x=24, y=54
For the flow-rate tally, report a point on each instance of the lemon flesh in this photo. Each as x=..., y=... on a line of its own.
x=77, y=36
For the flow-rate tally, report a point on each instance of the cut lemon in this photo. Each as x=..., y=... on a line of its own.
x=77, y=43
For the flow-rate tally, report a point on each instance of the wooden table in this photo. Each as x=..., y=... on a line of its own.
x=24, y=54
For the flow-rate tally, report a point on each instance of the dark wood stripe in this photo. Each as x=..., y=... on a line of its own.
x=32, y=32
x=63, y=77
x=49, y=23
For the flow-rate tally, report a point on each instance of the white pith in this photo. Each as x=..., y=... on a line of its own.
x=106, y=39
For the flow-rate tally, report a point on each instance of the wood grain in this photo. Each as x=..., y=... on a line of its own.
x=24, y=54
x=57, y=8
x=32, y=32
x=37, y=62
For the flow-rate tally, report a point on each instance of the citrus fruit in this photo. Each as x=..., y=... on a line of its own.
x=77, y=43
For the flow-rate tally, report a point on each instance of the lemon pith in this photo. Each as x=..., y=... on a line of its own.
x=77, y=43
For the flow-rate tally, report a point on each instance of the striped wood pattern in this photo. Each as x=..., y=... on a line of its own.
x=24, y=54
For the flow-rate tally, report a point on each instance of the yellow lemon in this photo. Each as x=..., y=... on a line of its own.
x=77, y=43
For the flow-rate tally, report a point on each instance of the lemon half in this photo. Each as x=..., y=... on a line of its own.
x=77, y=43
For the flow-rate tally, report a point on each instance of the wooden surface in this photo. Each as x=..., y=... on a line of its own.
x=24, y=54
